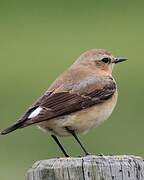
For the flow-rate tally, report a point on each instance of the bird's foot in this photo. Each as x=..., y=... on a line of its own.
x=101, y=154
x=87, y=154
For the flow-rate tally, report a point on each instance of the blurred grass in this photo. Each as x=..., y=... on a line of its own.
x=38, y=40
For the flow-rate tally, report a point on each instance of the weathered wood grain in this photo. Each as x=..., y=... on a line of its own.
x=88, y=168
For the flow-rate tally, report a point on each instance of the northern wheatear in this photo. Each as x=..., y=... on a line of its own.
x=79, y=99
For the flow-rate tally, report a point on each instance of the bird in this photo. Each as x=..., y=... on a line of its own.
x=81, y=98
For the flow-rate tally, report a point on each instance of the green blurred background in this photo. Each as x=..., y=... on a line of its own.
x=38, y=40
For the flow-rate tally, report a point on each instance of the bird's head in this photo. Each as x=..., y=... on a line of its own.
x=100, y=59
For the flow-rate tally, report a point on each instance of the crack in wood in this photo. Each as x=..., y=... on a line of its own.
x=88, y=168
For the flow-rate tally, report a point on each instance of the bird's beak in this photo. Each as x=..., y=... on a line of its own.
x=119, y=59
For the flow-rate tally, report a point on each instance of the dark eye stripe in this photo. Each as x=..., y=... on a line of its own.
x=106, y=60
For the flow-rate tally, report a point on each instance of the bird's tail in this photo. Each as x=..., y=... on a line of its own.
x=12, y=128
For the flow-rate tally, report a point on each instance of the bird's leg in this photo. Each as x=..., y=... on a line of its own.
x=60, y=146
x=77, y=139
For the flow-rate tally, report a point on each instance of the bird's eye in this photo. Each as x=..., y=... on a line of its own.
x=106, y=60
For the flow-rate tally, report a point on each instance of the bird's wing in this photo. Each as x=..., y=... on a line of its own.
x=58, y=103
x=62, y=101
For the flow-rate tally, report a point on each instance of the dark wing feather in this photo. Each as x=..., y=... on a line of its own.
x=63, y=103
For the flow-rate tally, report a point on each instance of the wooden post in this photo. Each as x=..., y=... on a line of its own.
x=88, y=168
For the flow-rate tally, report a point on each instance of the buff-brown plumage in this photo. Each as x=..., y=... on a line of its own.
x=83, y=96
